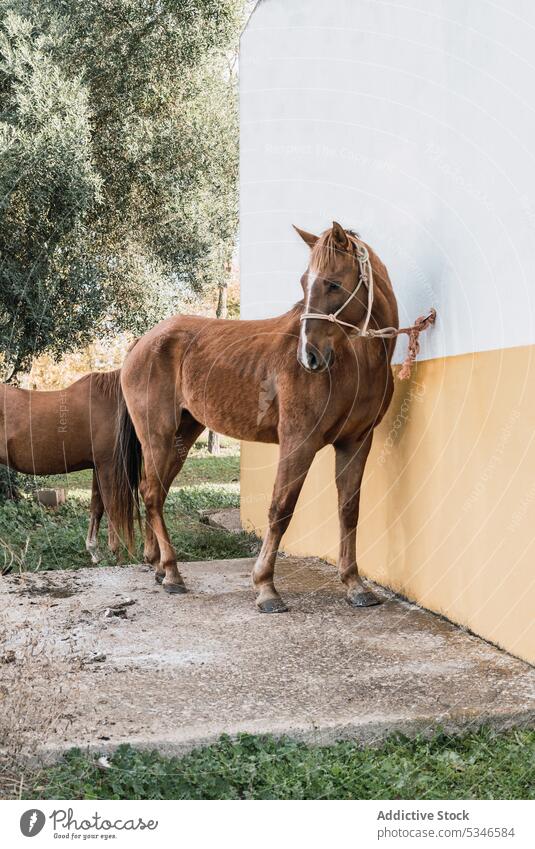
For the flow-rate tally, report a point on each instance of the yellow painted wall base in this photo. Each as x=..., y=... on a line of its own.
x=448, y=500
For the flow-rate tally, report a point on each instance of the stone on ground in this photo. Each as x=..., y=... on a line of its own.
x=228, y=519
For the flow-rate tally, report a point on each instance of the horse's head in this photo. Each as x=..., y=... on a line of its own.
x=331, y=278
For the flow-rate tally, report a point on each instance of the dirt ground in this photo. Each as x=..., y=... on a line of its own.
x=102, y=656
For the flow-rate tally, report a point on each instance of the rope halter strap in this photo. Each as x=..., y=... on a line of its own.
x=366, y=279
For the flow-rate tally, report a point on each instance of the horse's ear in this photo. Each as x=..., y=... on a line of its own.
x=309, y=238
x=340, y=235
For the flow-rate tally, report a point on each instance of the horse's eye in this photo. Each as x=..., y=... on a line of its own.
x=333, y=286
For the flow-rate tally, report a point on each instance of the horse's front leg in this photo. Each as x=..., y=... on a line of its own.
x=351, y=459
x=294, y=463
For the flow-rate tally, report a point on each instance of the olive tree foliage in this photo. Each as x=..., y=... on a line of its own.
x=48, y=187
x=118, y=164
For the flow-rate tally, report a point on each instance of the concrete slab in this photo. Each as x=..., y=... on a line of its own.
x=133, y=664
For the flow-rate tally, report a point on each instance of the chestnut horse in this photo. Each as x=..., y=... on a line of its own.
x=50, y=433
x=293, y=380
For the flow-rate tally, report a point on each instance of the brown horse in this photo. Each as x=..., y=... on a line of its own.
x=49, y=433
x=295, y=380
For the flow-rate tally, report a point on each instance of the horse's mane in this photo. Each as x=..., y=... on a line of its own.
x=326, y=248
x=108, y=383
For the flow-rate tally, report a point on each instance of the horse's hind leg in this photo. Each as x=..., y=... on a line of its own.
x=351, y=459
x=294, y=463
x=97, y=511
x=151, y=550
x=190, y=429
x=104, y=481
x=160, y=462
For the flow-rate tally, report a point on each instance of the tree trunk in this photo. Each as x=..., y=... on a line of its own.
x=221, y=309
x=213, y=443
x=221, y=312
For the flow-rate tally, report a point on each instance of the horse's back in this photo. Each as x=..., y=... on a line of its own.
x=52, y=432
x=220, y=370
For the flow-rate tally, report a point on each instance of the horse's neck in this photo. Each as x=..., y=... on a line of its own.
x=384, y=311
x=291, y=319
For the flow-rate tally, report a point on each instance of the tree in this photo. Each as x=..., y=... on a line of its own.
x=129, y=151
x=48, y=187
x=214, y=446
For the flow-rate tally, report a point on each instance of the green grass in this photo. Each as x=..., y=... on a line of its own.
x=210, y=469
x=478, y=765
x=33, y=537
x=200, y=467
x=73, y=481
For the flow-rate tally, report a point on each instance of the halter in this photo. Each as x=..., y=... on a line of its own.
x=366, y=279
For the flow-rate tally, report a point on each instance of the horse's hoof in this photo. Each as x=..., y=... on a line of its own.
x=272, y=605
x=159, y=578
x=174, y=588
x=363, y=599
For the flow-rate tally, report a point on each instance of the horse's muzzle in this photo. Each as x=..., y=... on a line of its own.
x=315, y=361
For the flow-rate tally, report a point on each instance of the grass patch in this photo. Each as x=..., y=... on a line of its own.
x=193, y=539
x=479, y=765
x=73, y=481
x=200, y=467
x=33, y=537
x=196, y=469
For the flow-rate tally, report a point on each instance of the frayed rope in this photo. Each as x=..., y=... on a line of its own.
x=413, y=332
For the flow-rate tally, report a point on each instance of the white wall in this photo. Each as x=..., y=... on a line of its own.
x=412, y=122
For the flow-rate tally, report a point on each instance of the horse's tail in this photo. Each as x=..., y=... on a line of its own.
x=127, y=470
